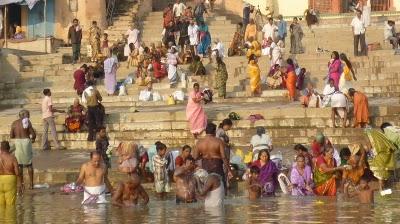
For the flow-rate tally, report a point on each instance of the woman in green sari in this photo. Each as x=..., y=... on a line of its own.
x=382, y=156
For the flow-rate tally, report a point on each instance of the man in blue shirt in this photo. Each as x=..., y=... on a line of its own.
x=282, y=30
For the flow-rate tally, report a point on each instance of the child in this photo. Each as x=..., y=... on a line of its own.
x=160, y=164
x=102, y=145
x=364, y=192
x=253, y=186
x=344, y=156
x=104, y=45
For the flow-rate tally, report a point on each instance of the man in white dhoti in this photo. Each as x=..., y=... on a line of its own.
x=94, y=176
x=132, y=35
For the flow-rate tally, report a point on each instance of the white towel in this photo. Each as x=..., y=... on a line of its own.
x=94, y=195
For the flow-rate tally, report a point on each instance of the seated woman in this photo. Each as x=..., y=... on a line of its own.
x=235, y=48
x=181, y=159
x=310, y=97
x=197, y=67
x=301, y=178
x=159, y=69
x=325, y=173
x=19, y=34
x=274, y=79
x=268, y=177
x=261, y=140
x=75, y=117
x=133, y=58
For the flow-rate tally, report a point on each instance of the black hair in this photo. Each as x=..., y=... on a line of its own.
x=160, y=146
x=347, y=61
x=252, y=57
x=226, y=121
x=254, y=170
x=94, y=22
x=186, y=147
x=300, y=156
x=94, y=153
x=84, y=66
x=336, y=54
x=211, y=128
x=190, y=158
x=352, y=91
x=5, y=146
x=261, y=152
x=240, y=24
x=102, y=128
x=46, y=92
x=75, y=20
x=289, y=61
x=344, y=152
x=90, y=83
x=219, y=60
x=105, y=34
x=196, y=84
x=365, y=178
x=385, y=125
x=270, y=19
x=300, y=147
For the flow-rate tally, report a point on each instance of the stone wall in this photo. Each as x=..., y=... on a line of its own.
x=87, y=11
x=145, y=6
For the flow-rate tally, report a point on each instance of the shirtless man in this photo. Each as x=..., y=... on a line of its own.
x=9, y=173
x=185, y=182
x=24, y=135
x=94, y=175
x=211, y=150
x=213, y=191
x=364, y=192
x=128, y=193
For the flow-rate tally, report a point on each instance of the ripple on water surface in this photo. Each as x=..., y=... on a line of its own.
x=54, y=207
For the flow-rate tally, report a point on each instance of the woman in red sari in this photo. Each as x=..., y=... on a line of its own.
x=325, y=173
x=76, y=117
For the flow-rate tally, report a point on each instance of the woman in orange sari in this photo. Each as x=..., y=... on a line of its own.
x=325, y=174
x=291, y=79
x=357, y=162
x=361, y=112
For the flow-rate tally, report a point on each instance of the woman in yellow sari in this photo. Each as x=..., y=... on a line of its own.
x=254, y=73
x=325, y=174
x=348, y=75
x=255, y=48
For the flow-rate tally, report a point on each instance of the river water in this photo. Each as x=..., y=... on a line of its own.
x=50, y=206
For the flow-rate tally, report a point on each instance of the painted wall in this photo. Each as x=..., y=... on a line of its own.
x=290, y=7
x=36, y=25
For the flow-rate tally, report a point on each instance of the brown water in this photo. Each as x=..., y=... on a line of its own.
x=50, y=206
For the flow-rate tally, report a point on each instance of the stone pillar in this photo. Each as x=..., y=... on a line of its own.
x=336, y=6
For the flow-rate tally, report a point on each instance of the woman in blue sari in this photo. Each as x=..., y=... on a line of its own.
x=205, y=39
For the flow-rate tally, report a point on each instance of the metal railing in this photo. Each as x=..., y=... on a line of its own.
x=110, y=11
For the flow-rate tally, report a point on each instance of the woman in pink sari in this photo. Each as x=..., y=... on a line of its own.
x=195, y=113
x=335, y=68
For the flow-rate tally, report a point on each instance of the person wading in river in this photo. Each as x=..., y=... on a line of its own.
x=128, y=193
x=211, y=151
x=24, y=135
x=94, y=175
x=185, y=182
x=8, y=176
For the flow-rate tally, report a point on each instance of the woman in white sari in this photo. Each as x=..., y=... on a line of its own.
x=276, y=53
x=132, y=35
x=173, y=59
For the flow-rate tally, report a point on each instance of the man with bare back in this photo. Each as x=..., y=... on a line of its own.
x=128, y=193
x=211, y=151
x=185, y=182
x=24, y=135
x=8, y=176
x=94, y=176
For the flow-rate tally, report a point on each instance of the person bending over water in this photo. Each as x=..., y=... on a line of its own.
x=185, y=182
x=128, y=193
x=213, y=191
x=364, y=192
x=94, y=175
x=211, y=151
x=253, y=185
x=9, y=173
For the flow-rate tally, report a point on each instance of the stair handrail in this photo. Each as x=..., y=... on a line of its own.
x=110, y=11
